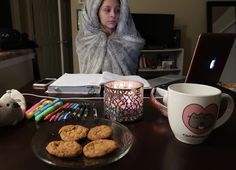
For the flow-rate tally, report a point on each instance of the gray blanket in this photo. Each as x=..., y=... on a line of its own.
x=117, y=53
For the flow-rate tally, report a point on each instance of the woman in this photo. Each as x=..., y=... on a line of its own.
x=107, y=39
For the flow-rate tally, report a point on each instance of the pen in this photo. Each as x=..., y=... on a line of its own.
x=48, y=110
x=47, y=106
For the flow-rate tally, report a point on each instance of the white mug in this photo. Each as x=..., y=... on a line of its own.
x=192, y=110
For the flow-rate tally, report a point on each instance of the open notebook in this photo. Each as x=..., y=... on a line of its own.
x=210, y=55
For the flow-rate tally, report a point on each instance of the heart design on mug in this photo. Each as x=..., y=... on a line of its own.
x=199, y=119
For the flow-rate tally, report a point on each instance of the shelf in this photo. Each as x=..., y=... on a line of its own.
x=163, y=50
x=159, y=62
x=160, y=70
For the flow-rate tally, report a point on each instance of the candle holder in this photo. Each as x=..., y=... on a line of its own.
x=123, y=100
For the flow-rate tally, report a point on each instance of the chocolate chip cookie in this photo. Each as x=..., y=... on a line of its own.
x=98, y=148
x=73, y=132
x=100, y=132
x=64, y=149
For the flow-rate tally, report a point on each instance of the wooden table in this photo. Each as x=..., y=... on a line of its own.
x=154, y=148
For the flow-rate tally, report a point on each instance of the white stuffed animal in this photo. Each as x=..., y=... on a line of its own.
x=12, y=108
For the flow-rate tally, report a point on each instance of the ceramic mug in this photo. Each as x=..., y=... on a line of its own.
x=192, y=110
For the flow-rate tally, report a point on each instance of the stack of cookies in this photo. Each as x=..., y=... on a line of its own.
x=69, y=146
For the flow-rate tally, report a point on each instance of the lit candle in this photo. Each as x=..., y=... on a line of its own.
x=123, y=100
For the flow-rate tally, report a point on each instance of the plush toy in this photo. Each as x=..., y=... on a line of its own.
x=12, y=108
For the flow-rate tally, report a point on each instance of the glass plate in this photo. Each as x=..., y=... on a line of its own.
x=49, y=132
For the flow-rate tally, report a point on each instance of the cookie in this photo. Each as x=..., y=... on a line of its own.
x=73, y=132
x=100, y=132
x=98, y=148
x=64, y=149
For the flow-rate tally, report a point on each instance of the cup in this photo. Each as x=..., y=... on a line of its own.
x=123, y=100
x=192, y=110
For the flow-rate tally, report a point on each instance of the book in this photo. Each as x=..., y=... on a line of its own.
x=230, y=86
x=87, y=83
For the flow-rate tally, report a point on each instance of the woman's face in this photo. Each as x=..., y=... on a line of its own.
x=109, y=14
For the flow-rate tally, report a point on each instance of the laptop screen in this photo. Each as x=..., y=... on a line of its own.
x=209, y=57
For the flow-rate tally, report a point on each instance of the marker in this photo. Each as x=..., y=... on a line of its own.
x=69, y=113
x=95, y=112
x=86, y=111
x=47, y=106
x=59, y=114
x=81, y=111
x=54, y=112
x=60, y=109
x=31, y=114
x=35, y=106
x=65, y=112
x=52, y=118
x=48, y=110
x=76, y=110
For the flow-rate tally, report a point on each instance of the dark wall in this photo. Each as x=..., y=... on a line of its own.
x=5, y=14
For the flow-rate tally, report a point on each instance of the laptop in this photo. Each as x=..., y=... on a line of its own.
x=209, y=58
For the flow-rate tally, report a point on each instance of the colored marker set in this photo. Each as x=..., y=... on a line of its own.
x=57, y=110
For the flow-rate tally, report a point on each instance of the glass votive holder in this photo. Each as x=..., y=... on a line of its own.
x=123, y=100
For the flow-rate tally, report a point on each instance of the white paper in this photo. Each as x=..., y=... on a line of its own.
x=107, y=76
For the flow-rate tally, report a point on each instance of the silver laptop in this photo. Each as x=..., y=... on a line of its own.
x=210, y=55
x=209, y=58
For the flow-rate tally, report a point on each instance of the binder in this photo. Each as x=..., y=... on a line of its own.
x=87, y=83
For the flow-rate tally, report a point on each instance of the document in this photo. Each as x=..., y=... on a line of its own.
x=88, y=83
